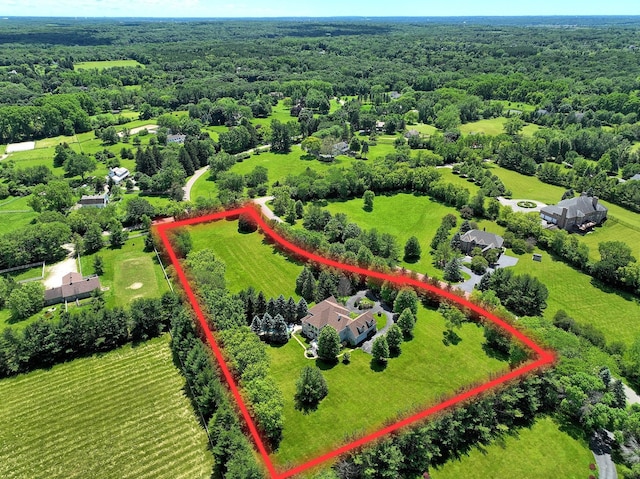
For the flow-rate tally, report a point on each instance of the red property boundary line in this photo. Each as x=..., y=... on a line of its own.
x=544, y=357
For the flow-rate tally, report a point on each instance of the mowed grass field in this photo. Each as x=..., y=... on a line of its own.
x=624, y=227
x=615, y=314
x=281, y=165
x=129, y=273
x=205, y=187
x=15, y=213
x=101, y=65
x=541, y=452
x=250, y=260
x=361, y=398
x=404, y=215
x=493, y=127
x=118, y=415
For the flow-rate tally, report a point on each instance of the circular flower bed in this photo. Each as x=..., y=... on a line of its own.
x=526, y=204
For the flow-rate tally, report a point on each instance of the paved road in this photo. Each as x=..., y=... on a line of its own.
x=203, y=170
x=632, y=396
x=600, y=445
x=266, y=211
x=192, y=181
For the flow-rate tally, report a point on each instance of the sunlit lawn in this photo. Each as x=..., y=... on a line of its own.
x=101, y=65
x=361, y=397
x=205, y=187
x=281, y=165
x=494, y=126
x=129, y=273
x=249, y=259
x=404, y=215
x=612, y=312
x=540, y=452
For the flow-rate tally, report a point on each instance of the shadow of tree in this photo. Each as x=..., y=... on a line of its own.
x=378, y=366
x=450, y=338
x=324, y=365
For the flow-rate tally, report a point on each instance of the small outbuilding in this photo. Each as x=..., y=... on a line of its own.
x=94, y=201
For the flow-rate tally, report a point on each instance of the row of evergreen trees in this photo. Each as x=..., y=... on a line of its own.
x=255, y=304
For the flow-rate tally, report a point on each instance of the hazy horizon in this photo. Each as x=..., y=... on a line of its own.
x=325, y=9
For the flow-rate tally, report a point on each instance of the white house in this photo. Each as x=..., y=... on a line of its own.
x=118, y=174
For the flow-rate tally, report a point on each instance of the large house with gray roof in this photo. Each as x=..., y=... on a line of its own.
x=575, y=214
x=330, y=313
x=480, y=239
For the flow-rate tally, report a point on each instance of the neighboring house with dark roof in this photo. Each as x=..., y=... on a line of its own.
x=579, y=213
x=394, y=95
x=179, y=139
x=94, y=201
x=330, y=313
x=118, y=174
x=74, y=286
x=480, y=239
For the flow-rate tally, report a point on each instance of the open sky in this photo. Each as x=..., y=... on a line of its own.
x=313, y=8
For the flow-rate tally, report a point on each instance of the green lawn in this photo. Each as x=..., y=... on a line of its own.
x=361, y=399
x=493, y=127
x=514, y=105
x=450, y=177
x=404, y=215
x=527, y=187
x=615, y=314
x=204, y=187
x=101, y=65
x=423, y=128
x=15, y=213
x=279, y=112
x=541, y=452
x=115, y=415
x=249, y=259
x=55, y=141
x=625, y=227
x=129, y=273
x=279, y=165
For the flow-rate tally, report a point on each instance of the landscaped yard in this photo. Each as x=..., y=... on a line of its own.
x=362, y=398
x=625, y=227
x=101, y=65
x=403, y=215
x=493, y=127
x=204, y=187
x=281, y=165
x=129, y=273
x=115, y=415
x=615, y=314
x=249, y=259
x=541, y=452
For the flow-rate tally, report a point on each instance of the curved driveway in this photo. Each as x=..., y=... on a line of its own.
x=377, y=308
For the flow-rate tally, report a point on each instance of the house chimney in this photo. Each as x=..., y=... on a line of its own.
x=594, y=200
